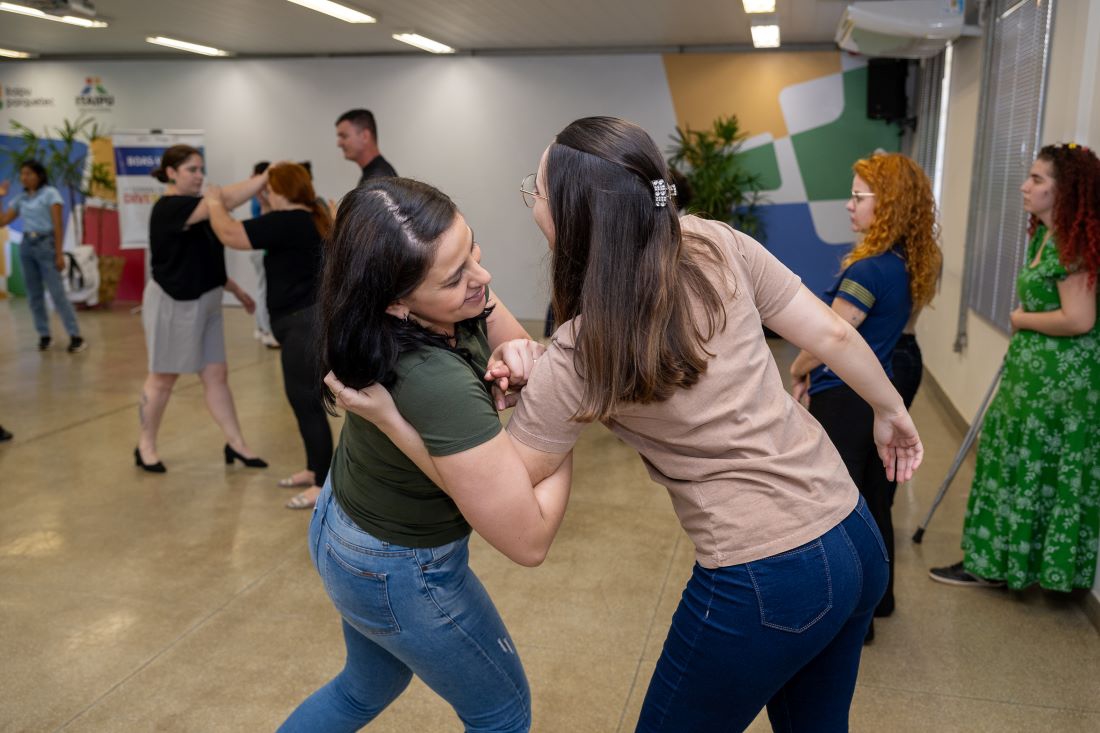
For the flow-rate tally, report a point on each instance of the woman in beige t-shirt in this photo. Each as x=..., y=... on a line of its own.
x=661, y=341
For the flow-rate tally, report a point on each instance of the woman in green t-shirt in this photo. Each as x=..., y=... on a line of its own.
x=405, y=302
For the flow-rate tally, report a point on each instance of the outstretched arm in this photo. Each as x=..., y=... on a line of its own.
x=228, y=230
x=806, y=362
x=233, y=196
x=242, y=295
x=503, y=326
x=811, y=325
x=506, y=491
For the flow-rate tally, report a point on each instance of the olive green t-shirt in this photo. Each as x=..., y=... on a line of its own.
x=445, y=398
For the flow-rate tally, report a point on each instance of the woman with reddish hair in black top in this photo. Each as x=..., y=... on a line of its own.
x=291, y=235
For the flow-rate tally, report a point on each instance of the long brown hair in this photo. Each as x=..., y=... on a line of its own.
x=622, y=263
x=293, y=182
x=905, y=217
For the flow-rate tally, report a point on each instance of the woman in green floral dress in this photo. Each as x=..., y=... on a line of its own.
x=1034, y=509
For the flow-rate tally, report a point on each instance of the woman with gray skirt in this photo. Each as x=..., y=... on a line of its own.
x=182, y=305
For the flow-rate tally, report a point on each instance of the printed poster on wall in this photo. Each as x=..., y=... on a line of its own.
x=137, y=153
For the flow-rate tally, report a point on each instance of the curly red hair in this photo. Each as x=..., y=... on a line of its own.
x=905, y=215
x=1076, y=217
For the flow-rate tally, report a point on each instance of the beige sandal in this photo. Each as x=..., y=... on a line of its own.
x=292, y=483
x=305, y=500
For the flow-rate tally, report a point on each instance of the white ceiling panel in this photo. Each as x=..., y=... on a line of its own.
x=281, y=28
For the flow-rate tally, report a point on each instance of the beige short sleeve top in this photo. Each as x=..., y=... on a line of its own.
x=749, y=471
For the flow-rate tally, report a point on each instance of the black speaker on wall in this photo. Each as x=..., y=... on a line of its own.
x=886, y=98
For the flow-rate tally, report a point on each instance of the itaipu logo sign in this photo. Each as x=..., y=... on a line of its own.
x=94, y=96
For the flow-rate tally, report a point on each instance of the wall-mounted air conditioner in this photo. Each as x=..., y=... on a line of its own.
x=909, y=29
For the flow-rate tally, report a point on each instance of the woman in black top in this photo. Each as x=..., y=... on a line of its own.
x=291, y=233
x=181, y=306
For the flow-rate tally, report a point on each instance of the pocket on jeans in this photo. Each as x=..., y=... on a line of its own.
x=794, y=589
x=314, y=534
x=872, y=526
x=361, y=596
x=442, y=554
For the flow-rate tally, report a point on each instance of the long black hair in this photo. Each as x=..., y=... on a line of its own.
x=382, y=246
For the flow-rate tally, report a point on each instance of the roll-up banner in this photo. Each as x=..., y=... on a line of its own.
x=137, y=154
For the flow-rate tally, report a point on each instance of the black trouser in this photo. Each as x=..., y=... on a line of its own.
x=302, y=383
x=849, y=422
x=908, y=368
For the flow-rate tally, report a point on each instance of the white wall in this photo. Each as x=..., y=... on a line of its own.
x=1080, y=118
x=471, y=126
x=1073, y=104
x=965, y=376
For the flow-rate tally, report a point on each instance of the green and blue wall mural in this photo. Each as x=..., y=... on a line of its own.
x=805, y=114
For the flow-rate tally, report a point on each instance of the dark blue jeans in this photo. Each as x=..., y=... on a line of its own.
x=784, y=632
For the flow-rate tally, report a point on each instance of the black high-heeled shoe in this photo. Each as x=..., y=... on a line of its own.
x=157, y=467
x=232, y=455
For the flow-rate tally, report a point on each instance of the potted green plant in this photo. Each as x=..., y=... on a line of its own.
x=67, y=165
x=722, y=188
x=78, y=179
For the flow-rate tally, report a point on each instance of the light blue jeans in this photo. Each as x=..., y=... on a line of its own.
x=37, y=257
x=409, y=611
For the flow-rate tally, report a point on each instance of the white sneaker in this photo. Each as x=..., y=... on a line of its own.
x=269, y=341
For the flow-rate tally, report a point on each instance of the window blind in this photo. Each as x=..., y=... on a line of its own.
x=1009, y=129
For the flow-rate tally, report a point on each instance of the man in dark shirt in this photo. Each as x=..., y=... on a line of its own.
x=357, y=136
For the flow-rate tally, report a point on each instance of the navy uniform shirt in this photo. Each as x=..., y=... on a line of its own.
x=878, y=286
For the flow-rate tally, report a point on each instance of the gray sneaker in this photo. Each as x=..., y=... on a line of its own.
x=957, y=575
x=77, y=344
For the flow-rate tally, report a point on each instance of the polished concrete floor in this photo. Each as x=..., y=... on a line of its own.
x=186, y=602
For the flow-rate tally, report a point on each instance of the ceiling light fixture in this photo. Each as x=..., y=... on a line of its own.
x=423, y=42
x=341, y=12
x=759, y=6
x=12, y=54
x=185, y=46
x=765, y=36
x=36, y=13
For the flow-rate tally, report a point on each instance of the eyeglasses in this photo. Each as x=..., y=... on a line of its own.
x=527, y=190
x=858, y=196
